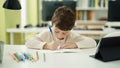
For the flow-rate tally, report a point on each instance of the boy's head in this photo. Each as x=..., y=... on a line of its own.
x=63, y=18
x=63, y=21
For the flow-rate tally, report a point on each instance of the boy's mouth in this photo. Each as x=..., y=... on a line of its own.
x=60, y=38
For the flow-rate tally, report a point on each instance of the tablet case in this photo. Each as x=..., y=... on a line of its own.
x=108, y=49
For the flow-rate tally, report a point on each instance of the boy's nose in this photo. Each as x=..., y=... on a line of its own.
x=60, y=37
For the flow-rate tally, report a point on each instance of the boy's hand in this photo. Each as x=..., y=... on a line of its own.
x=69, y=45
x=51, y=46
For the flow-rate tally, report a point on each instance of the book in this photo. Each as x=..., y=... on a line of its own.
x=90, y=15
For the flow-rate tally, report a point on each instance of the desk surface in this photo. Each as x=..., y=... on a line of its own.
x=80, y=59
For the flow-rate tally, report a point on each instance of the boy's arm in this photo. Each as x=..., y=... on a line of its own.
x=38, y=41
x=86, y=42
x=34, y=43
x=51, y=46
x=69, y=45
x=76, y=40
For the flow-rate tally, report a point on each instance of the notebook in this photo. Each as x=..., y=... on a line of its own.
x=108, y=49
x=1, y=50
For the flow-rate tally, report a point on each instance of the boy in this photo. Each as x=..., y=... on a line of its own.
x=61, y=36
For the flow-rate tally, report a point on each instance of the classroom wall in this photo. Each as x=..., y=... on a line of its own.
x=32, y=16
x=2, y=24
x=9, y=19
x=32, y=12
x=12, y=18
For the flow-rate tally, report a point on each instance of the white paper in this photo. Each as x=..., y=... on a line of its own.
x=61, y=51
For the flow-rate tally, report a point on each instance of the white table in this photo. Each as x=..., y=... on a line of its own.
x=21, y=30
x=30, y=30
x=57, y=60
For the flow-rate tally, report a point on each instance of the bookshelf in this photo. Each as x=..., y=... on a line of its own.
x=91, y=11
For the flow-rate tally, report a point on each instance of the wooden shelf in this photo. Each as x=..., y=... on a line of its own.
x=89, y=8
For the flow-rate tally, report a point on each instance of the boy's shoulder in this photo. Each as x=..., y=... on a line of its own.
x=74, y=33
x=44, y=32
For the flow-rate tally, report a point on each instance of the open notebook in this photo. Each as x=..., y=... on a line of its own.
x=62, y=51
x=67, y=50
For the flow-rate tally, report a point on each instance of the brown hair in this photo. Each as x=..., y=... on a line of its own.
x=63, y=18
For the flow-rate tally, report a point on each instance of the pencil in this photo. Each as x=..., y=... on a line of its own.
x=53, y=36
x=26, y=55
x=51, y=32
x=14, y=57
x=30, y=56
x=37, y=55
x=44, y=57
x=17, y=56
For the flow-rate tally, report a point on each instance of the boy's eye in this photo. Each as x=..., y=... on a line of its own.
x=56, y=31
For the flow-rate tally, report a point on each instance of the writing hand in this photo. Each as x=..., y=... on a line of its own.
x=51, y=46
x=69, y=45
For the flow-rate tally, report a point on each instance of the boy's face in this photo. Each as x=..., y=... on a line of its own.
x=60, y=34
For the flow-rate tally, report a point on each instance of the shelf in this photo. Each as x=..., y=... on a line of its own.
x=86, y=23
x=92, y=10
x=89, y=8
x=89, y=21
x=110, y=24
